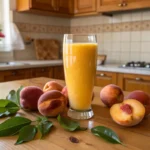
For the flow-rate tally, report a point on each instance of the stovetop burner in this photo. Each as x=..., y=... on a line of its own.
x=138, y=64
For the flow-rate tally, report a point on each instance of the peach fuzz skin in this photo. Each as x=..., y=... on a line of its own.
x=29, y=97
x=111, y=94
x=52, y=103
x=142, y=97
x=128, y=113
x=52, y=85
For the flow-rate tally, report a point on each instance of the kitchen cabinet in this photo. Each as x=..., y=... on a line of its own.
x=121, y=5
x=59, y=73
x=42, y=72
x=11, y=75
x=85, y=6
x=46, y=7
x=55, y=72
x=104, y=78
x=131, y=82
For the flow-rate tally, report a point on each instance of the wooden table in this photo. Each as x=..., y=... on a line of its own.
x=135, y=138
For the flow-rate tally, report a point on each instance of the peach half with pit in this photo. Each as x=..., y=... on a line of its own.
x=52, y=103
x=128, y=113
x=111, y=94
x=52, y=85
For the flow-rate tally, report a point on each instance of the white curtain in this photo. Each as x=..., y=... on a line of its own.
x=13, y=39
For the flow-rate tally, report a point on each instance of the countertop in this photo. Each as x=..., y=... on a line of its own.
x=46, y=63
x=116, y=68
x=31, y=64
x=133, y=138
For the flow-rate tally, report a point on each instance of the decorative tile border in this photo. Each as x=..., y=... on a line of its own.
x=37, y=28
x=116, y=27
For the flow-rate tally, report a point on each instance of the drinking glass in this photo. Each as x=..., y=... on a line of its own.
x=79, y=58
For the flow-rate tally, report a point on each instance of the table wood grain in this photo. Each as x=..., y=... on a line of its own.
x=134, y=138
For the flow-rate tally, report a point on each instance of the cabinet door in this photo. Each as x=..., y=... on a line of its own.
x=16, y=74
x=42, y=72
x=104, y=78
x=121, y=5
x=47, y=5
x=59, y=72
x=131, y=82
x=65, y=6
x=84, y=6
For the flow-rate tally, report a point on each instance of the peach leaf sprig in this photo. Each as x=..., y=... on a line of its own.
x=107, y=134
x=25, y=128
x=69, y=124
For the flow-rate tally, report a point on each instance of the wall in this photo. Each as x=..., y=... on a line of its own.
x=123, y=37
x=36, y=26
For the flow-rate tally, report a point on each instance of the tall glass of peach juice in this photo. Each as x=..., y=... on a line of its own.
x=79, y=58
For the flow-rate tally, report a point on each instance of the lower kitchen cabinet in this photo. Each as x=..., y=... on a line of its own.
x=11, y=75
x=131, y=82
x=42, y=72
x=59, y=72
x=104, y=78
x=55, y=72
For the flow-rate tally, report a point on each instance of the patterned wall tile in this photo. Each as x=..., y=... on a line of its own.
x=126, y=26
x=145, y=25
x=107, y=27
x=116, y=27
x=136, y=26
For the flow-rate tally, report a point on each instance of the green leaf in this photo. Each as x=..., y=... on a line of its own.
x=44, y=127
x=18, y=95
x=107, y=134
x=42, y=119
x=26, y=134
x=7, y=108
x=69, y=125
x=14, y=96
x=13, y=125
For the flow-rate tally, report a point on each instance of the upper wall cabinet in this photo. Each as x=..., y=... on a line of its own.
x=121, y=5
x=47, y=7
x=85, y=6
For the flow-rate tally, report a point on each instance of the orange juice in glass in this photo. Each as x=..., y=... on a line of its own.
x=79, y=58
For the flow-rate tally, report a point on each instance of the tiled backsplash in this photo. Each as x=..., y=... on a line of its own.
x=36, y=26
x=123, y=37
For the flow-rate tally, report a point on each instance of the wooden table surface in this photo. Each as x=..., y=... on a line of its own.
x=135, y=138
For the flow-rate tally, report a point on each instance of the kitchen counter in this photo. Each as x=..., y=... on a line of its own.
x=30, y=64
x=46, y=63
x=116, y=68
x=133, y=138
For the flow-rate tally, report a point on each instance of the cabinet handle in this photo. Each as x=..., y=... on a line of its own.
x=14, y=73
x=120, y=5
x=124, y=4
x=138, y=79
x=101, y=74
x=43, y=70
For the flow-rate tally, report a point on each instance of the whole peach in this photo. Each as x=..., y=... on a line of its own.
x=142, y=97
x=52, y=103
x=111, y=94
x=52, y=85
x=128, y=113
x=29, y=97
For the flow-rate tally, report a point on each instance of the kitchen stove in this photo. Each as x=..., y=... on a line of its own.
x=138, y=64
